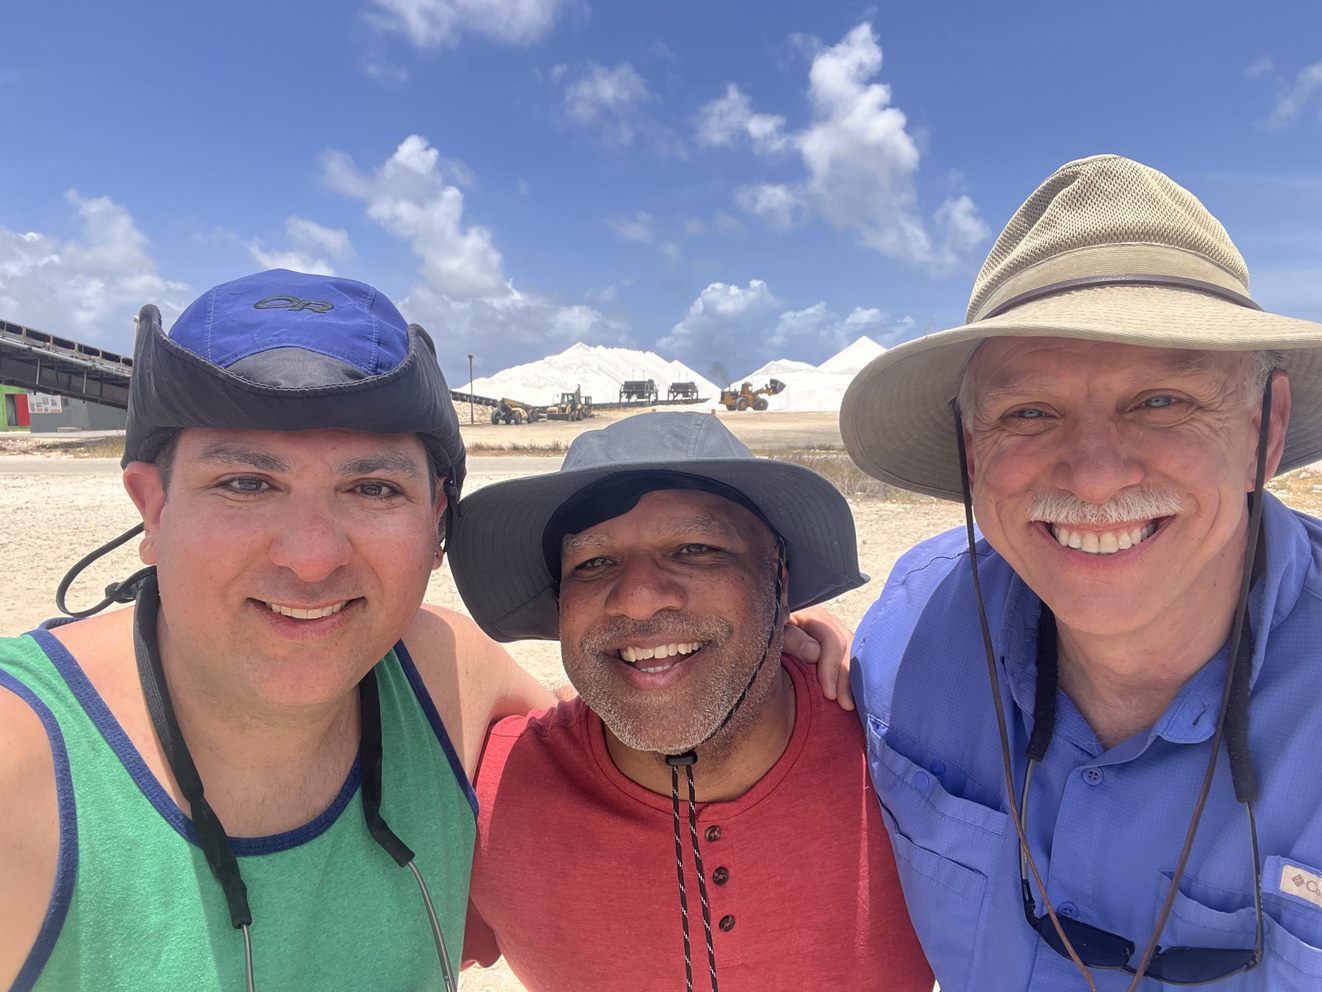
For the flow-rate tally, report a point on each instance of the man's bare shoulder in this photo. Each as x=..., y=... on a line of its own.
x=29, y=830
x=471, y=679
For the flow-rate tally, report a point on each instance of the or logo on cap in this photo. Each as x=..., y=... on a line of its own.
x=293, y=303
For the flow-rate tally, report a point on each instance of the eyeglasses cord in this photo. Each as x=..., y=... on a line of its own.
x=1236, y=691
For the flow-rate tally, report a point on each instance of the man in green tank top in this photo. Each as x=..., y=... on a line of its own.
x=258, y=777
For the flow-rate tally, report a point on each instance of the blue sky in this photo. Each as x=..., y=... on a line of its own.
x=722, y=182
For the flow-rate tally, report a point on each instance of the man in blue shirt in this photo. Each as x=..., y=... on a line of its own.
x=1096, y=738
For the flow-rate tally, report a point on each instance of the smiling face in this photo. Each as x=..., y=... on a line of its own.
x=289, y=562
x=665, y=612
x=1113, y=477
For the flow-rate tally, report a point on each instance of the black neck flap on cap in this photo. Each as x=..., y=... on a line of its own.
x=616, y=495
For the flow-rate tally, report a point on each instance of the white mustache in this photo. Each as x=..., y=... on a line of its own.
x=1059, y=507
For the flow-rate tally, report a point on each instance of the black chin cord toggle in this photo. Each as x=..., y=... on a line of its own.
x=686, y=761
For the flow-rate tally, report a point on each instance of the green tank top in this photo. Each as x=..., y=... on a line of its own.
x=135, y=906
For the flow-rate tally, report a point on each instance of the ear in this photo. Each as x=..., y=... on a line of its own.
x=1276, y=428
x=142, y=481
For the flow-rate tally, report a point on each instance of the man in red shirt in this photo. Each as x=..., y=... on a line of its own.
x=665, y=557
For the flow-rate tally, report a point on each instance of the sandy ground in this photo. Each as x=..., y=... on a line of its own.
x=61, y=507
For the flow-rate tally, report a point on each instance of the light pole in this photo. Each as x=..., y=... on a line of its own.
x=471, y=421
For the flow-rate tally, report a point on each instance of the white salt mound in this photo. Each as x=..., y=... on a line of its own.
x=598, y=370
x=809, y=387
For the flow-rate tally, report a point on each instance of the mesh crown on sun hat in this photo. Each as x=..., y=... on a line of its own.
x=1093, y=206
x=284, y=350
x=1106, y=249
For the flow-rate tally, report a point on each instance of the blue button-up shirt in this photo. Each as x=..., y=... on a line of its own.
x=1106, y=825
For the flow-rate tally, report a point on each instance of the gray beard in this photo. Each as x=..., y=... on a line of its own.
x=711, y=692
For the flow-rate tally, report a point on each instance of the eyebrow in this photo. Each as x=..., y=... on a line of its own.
x=385, y=463
x=703, y=523
x=1180, y=368
x=228, y=453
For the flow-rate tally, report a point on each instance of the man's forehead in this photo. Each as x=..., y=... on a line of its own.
x=999, y=362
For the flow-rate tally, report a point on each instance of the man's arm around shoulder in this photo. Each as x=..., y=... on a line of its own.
x=472, y=679
x=29, y=831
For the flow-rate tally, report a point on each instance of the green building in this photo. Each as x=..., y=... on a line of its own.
x=14, y=414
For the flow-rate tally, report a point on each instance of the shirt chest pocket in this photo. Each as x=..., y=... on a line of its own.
x=1289, y=962
x=946, y=849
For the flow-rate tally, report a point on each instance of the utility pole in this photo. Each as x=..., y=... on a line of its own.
x=471, y=421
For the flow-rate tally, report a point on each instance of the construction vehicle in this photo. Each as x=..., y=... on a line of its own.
x=682, y=391
x=638, y=389
x=509, y=411
x=570, y=406
x=746, y=396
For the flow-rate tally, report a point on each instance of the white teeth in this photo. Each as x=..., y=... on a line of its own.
x=635, y=654
x=297, y=614
x=1105, y=543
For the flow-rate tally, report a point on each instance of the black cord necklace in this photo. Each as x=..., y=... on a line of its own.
x=211, y=836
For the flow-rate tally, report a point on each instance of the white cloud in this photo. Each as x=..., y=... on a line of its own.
x=859, y=158
x=1260, y=67
x=722, y=321
x=387, y=73
x=408, y=196
x=88, y=287
x=1289, y=104
x=964, y=229
x=720, y=223
x=817, y=332
x=608, y=100
x=316, y=248
x=463, y=293
x=635, y=228
x=730, y=117
x=742, y=327
x=432, y=24
x=779, y=205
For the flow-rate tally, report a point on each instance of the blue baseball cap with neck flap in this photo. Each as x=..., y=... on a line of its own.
x=288, y=351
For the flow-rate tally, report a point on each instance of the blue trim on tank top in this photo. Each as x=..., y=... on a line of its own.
x=434, y=718
x=66, y=871
x=150, y=785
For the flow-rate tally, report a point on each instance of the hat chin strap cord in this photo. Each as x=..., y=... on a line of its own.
x=687, y=760
x=117, y=592
x=211, y=835
x=1232, y=719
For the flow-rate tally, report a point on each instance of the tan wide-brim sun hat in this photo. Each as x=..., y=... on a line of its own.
x=1106, y=249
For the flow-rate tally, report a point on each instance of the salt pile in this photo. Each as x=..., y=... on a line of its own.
x=815, y=387
x=598, y=370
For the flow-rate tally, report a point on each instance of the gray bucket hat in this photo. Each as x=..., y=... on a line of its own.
x=1106, y=249
x=496, y=550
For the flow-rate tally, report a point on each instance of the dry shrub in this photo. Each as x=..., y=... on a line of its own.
x=837, y=467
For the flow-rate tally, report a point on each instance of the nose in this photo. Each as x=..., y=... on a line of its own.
x=310, y=541
x=641, y=589
x=1097, y=459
